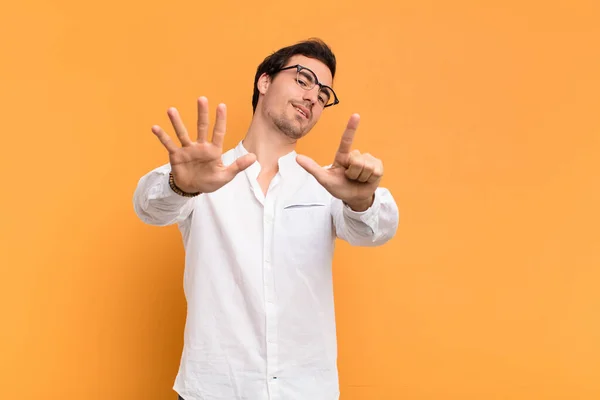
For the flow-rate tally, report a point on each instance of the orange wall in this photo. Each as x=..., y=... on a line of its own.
x=486, y=117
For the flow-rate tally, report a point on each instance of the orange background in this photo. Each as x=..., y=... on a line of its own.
x=484, y=113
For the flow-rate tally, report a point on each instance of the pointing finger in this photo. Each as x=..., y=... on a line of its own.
x=348, y=136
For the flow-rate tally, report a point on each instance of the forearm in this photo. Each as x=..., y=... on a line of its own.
x=155, y=203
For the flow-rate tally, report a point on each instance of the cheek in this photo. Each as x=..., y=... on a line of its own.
x=316, y=113
x=274, y=100
x=281, y=96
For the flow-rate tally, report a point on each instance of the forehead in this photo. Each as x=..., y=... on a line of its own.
x=318, y=67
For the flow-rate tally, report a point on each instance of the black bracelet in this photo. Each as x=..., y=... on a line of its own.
x=177, y=190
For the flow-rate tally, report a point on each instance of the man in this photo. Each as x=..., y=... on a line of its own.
x=259, y=224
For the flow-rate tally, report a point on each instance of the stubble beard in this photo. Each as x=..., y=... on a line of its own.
x=288, y=126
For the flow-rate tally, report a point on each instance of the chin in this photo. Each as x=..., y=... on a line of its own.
x=295, y=133
x=291, y=126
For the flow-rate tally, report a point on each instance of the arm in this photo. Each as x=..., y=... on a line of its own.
x=372, y=227
x=197, y=167
x=155, y=203
x=363, y=213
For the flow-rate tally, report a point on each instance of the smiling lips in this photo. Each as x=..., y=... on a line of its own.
x=302, y=110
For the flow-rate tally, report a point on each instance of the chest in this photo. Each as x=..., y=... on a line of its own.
x=264, y=180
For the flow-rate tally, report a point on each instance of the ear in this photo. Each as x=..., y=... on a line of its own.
x=263, y=83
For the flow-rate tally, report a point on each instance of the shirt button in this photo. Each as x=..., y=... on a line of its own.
x=268, y=219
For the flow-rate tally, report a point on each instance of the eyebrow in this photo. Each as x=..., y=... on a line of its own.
x=315, y=74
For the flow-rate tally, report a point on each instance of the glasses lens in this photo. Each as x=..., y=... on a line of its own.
x=326, y=96
x=306, y=79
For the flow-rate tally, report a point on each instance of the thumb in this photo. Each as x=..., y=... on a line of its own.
x=311, y=167
x=241, y=164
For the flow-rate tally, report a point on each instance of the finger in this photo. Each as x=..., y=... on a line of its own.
x=240, y=164
x=373, y=178
x=356, y=164
x=202, y=120
x=164, y=139
x=220, y=125
x=366, y=172
x=377, y=172
x=312, y=167
x=180, y=130
x=348, y=136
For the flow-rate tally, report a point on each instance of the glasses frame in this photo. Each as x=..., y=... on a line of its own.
x=321, y=86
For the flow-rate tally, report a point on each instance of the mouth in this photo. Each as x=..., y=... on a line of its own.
x=303, y=111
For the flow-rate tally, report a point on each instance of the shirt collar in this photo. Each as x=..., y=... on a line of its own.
x=288, y=167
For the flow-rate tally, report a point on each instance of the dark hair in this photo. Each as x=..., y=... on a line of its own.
x=312, y=48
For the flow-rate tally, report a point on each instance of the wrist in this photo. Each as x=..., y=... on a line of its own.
x=178, y=190
x=361, y=205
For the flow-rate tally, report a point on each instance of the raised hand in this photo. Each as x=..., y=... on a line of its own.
x=353, y=177
x=197, y=165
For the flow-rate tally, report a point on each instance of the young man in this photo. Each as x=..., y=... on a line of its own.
x=259, y=224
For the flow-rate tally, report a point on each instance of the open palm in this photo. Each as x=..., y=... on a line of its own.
x=197, y=166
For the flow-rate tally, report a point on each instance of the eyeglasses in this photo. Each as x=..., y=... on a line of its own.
x=308, y=79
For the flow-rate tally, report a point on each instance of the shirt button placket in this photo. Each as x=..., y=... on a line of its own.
x=270, y=307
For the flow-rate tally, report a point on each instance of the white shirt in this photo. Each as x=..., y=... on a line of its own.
x=258, y=279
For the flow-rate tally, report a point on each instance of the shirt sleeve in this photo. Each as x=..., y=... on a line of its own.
x=155, y=203
x=372, y=227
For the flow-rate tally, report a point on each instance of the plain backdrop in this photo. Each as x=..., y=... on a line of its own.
x=485, y=114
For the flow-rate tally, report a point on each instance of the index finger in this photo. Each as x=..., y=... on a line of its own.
x=348, y=136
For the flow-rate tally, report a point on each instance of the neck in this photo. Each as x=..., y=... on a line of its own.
x=267, y=142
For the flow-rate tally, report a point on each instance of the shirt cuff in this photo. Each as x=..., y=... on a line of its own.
x=163, y=190
x=370, y=216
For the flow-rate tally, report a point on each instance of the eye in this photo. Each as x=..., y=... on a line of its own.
x=307, y=79
x=302, y=82
x=324, y=97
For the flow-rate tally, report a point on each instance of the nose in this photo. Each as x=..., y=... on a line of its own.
x=312, y=95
